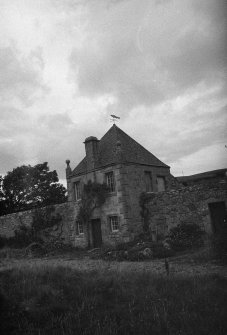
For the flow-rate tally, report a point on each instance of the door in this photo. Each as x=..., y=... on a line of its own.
x=96, y=233
x=218, y=214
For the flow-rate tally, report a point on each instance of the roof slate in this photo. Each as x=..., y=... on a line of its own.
x=118, y=147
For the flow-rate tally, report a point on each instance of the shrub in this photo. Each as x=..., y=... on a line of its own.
x=23, y=237
x=19, y=240
x=185, y=236
x=135, y=251
x=3, y=241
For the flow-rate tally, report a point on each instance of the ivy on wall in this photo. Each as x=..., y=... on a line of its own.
x=93, y=196
x=144, y=212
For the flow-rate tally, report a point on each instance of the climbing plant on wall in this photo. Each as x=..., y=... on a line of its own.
x=144, y=212
x=93, y=196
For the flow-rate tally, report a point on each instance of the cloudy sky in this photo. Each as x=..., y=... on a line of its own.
x=66, y=65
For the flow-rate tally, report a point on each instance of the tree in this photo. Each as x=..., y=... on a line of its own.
x=29, y=187
x=93, y=196
x=2, y=200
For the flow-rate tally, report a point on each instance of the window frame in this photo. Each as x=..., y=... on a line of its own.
x=164, y=179
x=79, y=228
x=111, y=185
x=112, y=223
x=77, y=190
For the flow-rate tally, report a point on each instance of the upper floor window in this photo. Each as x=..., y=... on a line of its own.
x=148, y=181
x=110, y=181
x=77, y=191
x=161, y=184
x=114, y=223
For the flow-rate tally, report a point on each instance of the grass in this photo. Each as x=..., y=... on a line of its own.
x=64, y=301
x=31, y=251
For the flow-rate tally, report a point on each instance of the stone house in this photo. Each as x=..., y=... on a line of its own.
x=128, y=169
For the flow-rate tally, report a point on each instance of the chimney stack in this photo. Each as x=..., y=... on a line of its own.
x=92, y=149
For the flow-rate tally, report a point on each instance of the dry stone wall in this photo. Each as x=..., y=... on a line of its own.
x=184, y=205
x=165, y=210
x=68, y=211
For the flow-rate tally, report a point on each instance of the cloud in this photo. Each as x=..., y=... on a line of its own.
x=51, y=138
x=21, y=85
x=12, y=122
x=20, y=77
x=8, y=160
x=181, y=126
x=155, y=54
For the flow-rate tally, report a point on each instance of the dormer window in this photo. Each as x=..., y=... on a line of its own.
x=77, y=191
x=110, y=182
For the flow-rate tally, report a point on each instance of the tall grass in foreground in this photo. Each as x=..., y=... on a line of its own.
x=64, y=301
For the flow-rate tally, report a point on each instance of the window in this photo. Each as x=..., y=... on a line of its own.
x=161, y=184
x=114, y=224
x=79, y=228
x=148, y=181
x=77, y=190
x=110, y=181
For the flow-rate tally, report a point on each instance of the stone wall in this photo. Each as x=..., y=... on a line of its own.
x=68, y=211
x=184, y=205
x=134, y=184
x=166, y=209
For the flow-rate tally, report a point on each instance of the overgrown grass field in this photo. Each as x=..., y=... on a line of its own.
x=60, y=300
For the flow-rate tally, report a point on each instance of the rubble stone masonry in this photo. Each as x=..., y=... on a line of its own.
x=184, y=205
x=165, y=209
x=68, y=211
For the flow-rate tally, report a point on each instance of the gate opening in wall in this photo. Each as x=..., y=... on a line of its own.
x=218, y=215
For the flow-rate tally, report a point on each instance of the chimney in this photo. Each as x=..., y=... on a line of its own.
x=91, y=148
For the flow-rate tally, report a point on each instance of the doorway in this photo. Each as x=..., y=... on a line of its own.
x=217, y=214
x=96, y=233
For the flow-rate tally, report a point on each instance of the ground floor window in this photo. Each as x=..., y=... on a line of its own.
x=114, y=223
x=79, y=228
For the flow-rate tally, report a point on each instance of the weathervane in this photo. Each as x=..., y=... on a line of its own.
x=114, y=118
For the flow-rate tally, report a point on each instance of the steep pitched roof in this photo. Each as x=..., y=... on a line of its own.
x=130, y=152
